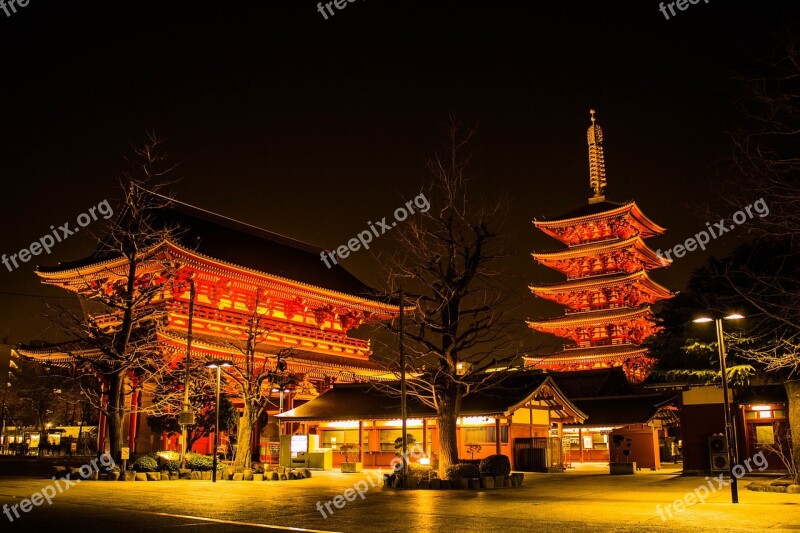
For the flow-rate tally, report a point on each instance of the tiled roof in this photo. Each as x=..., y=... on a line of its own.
x=363, y=401
x=241, y=244
x=620, y=411
x=592, y=383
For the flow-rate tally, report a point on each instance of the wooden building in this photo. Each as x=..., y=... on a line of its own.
x=615, y=406
x=514, y=418
x=227, y=271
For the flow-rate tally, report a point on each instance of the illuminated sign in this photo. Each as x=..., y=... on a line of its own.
x=299, y=444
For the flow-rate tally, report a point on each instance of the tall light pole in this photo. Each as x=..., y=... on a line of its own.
x=218, y=365
x=730, y=434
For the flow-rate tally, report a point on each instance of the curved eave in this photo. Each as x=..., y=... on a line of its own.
x=600, y=354
x=387, y=309
x=60, y=277
x=568, y=408
x=601, y=282
x=631, y=207
x=595, y=249
x=56, y=356
x=590, y=318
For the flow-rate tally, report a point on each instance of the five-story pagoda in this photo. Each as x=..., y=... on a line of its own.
x=608, y=292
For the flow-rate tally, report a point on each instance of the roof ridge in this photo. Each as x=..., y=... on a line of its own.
x=238, y=224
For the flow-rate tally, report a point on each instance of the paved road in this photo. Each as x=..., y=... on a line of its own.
x=585, y=500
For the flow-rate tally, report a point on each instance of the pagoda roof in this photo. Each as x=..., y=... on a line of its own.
x=599, y=211
x=595, y=354
x=600, y=282
x=232, y=242
x=58, y=354
x=607, y=316
x=597, y=248
x=364, y=401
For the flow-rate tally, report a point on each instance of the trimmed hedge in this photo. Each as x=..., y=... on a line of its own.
x=198, y=462
x=145, y=463
x=463, y=471
x=172, y=465
x=495, y=465
x=423, y=471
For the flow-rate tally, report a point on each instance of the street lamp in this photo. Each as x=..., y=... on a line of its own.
x=730, y=434
x=218, y=365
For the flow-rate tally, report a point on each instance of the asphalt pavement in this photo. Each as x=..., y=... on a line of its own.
x=583, y=499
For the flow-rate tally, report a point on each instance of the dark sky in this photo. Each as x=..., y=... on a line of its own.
x=311, y=127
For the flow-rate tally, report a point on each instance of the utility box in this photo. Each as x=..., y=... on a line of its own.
x=294, y=451
x=321, y=459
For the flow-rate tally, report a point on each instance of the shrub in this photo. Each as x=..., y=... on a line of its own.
x=145, y=463
x=463, y=470
x=349, y=450
x=199, y=462
x=422, y=471
x=172, y=465
x=495, y=465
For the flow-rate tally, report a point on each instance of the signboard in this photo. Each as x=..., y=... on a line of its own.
x=186, y=418
x=125, y=453
x=299, y=444
x=73, y=447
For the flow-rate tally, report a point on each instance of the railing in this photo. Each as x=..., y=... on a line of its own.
x=270, y=324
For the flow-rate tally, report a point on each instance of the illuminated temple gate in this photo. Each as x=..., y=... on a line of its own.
x=233, y=270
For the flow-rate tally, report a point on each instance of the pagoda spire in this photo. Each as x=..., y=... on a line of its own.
x=597, y=162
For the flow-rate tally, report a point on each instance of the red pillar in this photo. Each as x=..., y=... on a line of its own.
x=425, y=436
x=360, y=441
x=498, y=442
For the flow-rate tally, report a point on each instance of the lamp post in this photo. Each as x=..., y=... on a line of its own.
x=218, y=365
x=730, y=434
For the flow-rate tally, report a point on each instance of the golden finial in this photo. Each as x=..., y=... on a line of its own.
x=597, y=163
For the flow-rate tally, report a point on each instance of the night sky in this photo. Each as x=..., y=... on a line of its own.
x=311, y=127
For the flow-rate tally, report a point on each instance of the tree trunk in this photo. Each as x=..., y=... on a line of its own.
x=192, y=437
x=243, y=457
x=448, y=439
x=116, y=410
x=793, y=393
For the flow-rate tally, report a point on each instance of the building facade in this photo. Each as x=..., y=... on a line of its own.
x=228, y=272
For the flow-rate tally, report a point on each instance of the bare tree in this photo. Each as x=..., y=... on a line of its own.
x=251, y=378
x=167, y=403
x=783, y=442
x=768, y=163
x=114, y=335
x=449, y=264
